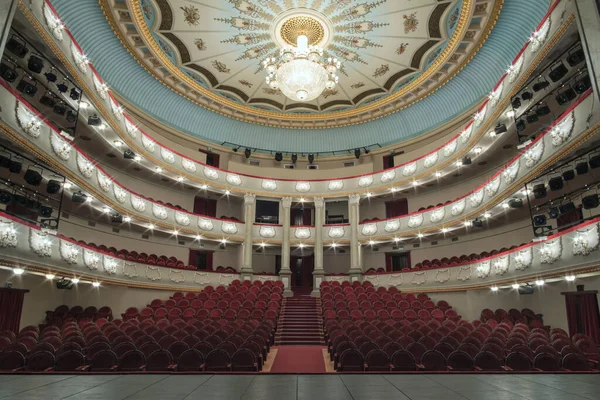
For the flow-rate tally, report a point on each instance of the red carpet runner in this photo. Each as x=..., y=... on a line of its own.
x=300, y=322
x=299, y=360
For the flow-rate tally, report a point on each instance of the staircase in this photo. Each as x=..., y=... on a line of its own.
x=300, y=322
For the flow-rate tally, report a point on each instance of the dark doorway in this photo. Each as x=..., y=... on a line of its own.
x=397, y=261
x=302, y=271
x=201, y=259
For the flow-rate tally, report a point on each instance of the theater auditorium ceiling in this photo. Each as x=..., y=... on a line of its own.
x=408, y=66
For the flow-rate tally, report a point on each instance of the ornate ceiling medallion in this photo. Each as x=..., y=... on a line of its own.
x=302, y=25
x=390, y=51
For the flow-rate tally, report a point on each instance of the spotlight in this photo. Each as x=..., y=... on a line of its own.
x=62, y=87
x=477, y=223
x=570, y=278
x=27, y=88
x=582, y=84
x=96, y=284
x=500, y=128
x=532, y=117
x=576, y=57
x=35, y=64
x=521, y=125
x=15, y=167
x=591, y=201
x=94, y=120
x=539, y=191
x=247, y=152
x=235, y=149
x=45, y=211
x=515, y=203
x=8, y=73
x=541, y=85
x=78, y=198
x=48, y=100
x=357, y=153
x=129, y=155
x=539, y=220
x=542, y=110
x=294, y=158
x=555, y=183
x=53, y=186
x=582, y=168
x=18, y=271
x=466, y=160
x=594, y=162
x=516, y=286
x=568, y=175
x=278, y=157
x=567, y=207
x=75, y=280
x=71, y=116
x=553, y=212
x=50, y=76
x=17, y=47
x=32, y=177
x=565, y=96
x=5, y=197
x=494, y=288
x=516, y=102
x=116, y=219
x=558, y=72
x=527, y=95
x=311, y=158
x=74, y=95
x=60, y=108
x=50, y=276
x=126, y=219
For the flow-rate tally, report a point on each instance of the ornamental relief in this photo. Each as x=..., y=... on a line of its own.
x=29, y=123
x=551, y=251
x=61, y=147
x=392, y=225
x=182, y=218
x=492, y=188
x=539, y=37
x=269, y=185
x=415, y=220
x=450, y=148
x=40, y=243
x=176, y=276
x=302, y=186
x=586, y=241
x=229, y=227
x=479, y=116
x=302, y=233
x=267, y=232
x=153, y=273
x=100, y=87
x=562, y=131
x=437, y=215
x=483, y=269
x=80, y=60
x=131, y=129
x=369, y=229
x=167, y=155
x=336, y=232
x=188, y=165
x=120, y=193
x=515, y=69
x=335, y=185
x=501, y=264
x=148, y=143
x=495, y=95
x=466, y=134
x=205, y=224
x=110, y=264
x=511, y=172
x=85, y=166
x=476, y=198
x=409, y=169
x=69, y=252
x=211, y=173
x=442, y=275
x=233, y=179
x=419, y=278
x=53, y=23
x=159, y=211
x=103, y=181
x=458, y=207
x=130, y=270
x=8, y=235
x=116, y=110
x=365, y=181
x=522, y=259
x=388, y=176
x=91, y=259
x=138, y=203
x=430, y=160
x=534, y=154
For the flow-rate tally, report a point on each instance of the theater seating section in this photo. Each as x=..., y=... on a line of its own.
x=143, y=258
x=452, y=261
x=223, y=329
x=369, y=329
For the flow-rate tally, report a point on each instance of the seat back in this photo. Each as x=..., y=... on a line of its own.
x=160, y=360
x=190, y=360
x=433, y=360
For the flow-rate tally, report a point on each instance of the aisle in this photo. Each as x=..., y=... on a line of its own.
x=299, y=360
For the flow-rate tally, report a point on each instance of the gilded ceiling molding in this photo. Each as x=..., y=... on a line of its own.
x=375, y=110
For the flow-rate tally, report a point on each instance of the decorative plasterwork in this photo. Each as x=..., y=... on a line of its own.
x=562, y=131
x=8, y=235
x=586, y=240
x=40, y=243
x=336, y=232
x=369, y=229
x=302, y=233
x=69, y=252
x=267, y=232
x=231, y=44
x=539, y=37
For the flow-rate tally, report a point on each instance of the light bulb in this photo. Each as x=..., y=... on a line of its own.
x=75, y=280
x=151, y=226
x=50, y=276
x=18, y=271
x=516, y=286
x=158, y=169
x=96, y=284
x=420, y=235
x=539, y=282
x=494, y=288
x=127, y=219
x=570, y=278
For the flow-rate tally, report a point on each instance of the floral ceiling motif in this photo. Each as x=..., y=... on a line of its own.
x=211, y=51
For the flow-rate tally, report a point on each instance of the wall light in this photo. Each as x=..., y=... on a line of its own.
x=50, y=276
x=96, y=284
x=494, y=288
x=420, y=235
x=127, y=219
x=539, y=282
x=444, y=230
x=570, y=278
x=18, y=271
x=75, y=280
x=371, y=242
x=158, y=169
x=151, y=226
x=516, y=286
x=334, y=245
x=438, y=174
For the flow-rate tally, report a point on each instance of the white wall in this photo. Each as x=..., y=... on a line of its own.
x=264, y=262
x=335, y=262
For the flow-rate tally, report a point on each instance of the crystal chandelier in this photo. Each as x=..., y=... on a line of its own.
x=301, y=72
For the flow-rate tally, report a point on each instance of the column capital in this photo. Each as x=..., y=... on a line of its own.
x=249, y=198
x=286, y=202
x=354, y=198
x=319, y=202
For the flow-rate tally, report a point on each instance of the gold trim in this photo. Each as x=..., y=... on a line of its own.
x=370, y=112
x=168, y=167
x=302, y=25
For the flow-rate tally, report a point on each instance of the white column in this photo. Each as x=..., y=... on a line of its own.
x=354, y=216
x=249, y=202
x=319, y=271
x=588, y=23
x=285, y=273
x=7, y=13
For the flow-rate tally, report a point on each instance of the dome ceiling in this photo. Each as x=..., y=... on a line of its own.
x=137, y=76
x=393, y=52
